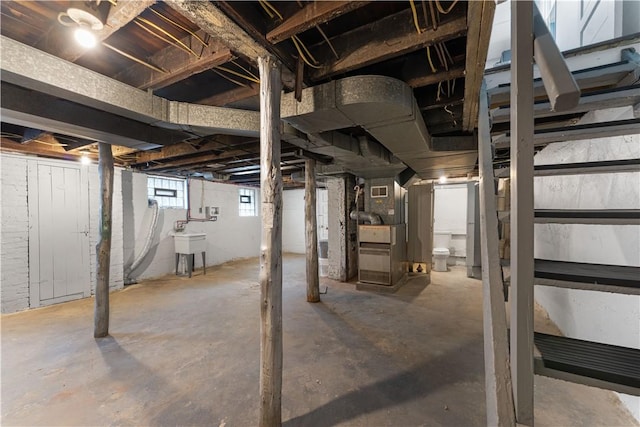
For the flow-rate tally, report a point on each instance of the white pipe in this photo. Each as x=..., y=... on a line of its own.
x=147, y=243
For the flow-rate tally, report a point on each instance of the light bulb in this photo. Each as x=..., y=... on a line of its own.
x=443, y=180
x=85, y=37
x=85, y=160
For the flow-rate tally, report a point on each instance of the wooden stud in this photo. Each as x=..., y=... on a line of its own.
x=313, y=280
x=103, y=248
x=271, y=248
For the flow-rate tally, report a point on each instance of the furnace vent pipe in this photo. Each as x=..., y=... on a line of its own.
x=147, y=243
x=373, y=219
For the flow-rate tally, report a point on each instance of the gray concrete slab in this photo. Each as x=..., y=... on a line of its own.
x=185, y=352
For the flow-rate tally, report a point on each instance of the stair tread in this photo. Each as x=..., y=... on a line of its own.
x=587, y=213
x=603, y=274
x=615, y=364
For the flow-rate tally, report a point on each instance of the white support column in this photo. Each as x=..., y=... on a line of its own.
x=521, y=298
x=497, y=378
x=271, y=248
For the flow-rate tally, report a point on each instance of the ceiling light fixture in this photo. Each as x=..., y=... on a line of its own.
x=443, y=180
x=87, y=17
x=85, y=160
x=85, y=37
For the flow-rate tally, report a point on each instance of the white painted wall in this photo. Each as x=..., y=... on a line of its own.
x=14, y=230
x=14, y=234
x=230, y=237
x=293, y=230
x=600, y=20
x=595, y=316
x=450, y=214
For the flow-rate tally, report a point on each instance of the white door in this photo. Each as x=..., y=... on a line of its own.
x=59, y=232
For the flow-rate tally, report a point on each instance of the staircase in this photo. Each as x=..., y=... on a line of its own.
x=591, y=363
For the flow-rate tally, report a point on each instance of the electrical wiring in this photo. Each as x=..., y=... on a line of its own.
x=414, y=12
x=304, y=58
x=299, y=45
x=235, y=73
x=326, y=39
x=265, y=2
x=442, y=10
x=172, y=22
x=168, y=34
x=433, y=68
x=229, y=78
x=133, y=58
x=245, y=70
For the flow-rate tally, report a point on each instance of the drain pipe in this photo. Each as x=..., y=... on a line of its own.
x=372, y=218
x=147, y=244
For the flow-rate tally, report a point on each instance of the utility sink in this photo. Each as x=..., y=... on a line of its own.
x=190, y=243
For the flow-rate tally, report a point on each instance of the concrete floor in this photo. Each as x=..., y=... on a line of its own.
x=186, y=352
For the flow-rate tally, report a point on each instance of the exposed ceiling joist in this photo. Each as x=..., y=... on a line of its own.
x=177, y=63
x=480, y=18
x=217, y=24
x=231, y=96
x=420, y=79
x=220, y=142
x=200, y=160
x=46, y=145
x=312, y=14
x=387, y=38
x=57, y=43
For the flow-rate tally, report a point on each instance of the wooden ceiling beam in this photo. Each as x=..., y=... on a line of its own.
x=230, y=96
x=420, y=80
x=57, y=41
x=177, y=63
x=312, y=14
x=213, y=21
x=196, y=161
x=46, y=145
x=219, y=143
x=480, y=18
x=387, y=38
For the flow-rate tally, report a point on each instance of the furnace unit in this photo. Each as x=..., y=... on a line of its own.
x=381, y=254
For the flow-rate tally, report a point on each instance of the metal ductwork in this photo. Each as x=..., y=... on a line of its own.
x=387, y=110
x=33, y=69
x=370, y=217
x=359, y=156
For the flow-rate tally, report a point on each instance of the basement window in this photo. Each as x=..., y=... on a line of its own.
x=168, y=192
x=247, y=205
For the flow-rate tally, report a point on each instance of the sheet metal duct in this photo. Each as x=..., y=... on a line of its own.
x=34, y=69
x=386, y=109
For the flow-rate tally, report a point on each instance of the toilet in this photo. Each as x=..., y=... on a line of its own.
x=441, y=242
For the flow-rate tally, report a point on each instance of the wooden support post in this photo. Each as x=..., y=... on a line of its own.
x=497, y=378
x=313, y=280
x=103, y=248
x=271, y=249
x=521, y=298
